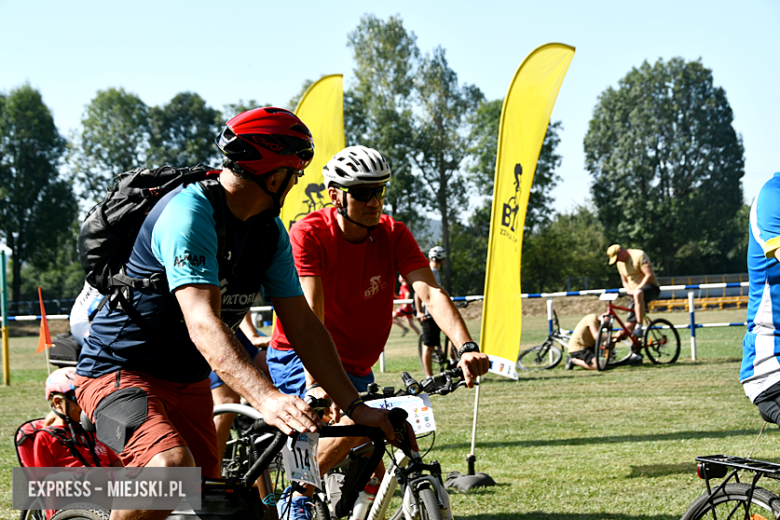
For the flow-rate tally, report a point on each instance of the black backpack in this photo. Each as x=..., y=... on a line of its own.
x=108, y=232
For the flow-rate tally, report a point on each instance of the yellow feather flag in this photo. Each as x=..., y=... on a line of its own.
x=322, y=109
x=524, y=119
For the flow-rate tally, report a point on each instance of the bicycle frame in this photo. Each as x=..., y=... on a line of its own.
x=400, y=466
x=611, y=311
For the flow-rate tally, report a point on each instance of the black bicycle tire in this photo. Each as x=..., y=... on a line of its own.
x=82, y=512
x=602, y=351
x=651, y=330
x=736, y=493
x=321, y=510
x=538, y=352
x=429, y=505
x=618, y=346
x=32, y=514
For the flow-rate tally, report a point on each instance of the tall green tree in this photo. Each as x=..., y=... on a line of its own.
x=570, y=245
x=663, y=154
x=114, y=138
x=378, y=107
x=442, y=140
x=37, y=205
x=182, y=132
x=231, y=110
x=484, y=127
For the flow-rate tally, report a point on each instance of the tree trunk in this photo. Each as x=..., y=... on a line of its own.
x=445, y=234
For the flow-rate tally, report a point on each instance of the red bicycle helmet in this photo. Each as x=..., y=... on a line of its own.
x=264, y=139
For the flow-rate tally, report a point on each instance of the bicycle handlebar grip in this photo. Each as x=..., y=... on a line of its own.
x=260, y=425
x=397, y=416
x=411, y=384
x=317, y=404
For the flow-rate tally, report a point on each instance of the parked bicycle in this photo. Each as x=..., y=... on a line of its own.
x=660, y=340
x=547, y=355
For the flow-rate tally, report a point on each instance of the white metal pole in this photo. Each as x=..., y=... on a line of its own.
x=550, y=315
x=382, y=362
x=472, y=457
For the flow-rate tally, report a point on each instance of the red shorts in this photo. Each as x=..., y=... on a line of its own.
x=403, y=310
x=178, y=414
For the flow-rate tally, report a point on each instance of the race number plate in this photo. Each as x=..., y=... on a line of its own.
x=417, y=406
x=300, y=459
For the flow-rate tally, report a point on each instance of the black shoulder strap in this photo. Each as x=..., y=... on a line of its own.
x=64, y=438
x=216, y=196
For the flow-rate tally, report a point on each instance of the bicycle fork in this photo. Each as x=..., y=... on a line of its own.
x=411, y=506
x=387, y=487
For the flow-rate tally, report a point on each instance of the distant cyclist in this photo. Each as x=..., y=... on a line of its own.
x=347, y=257
x=431, y=332
x=639, y=281
x=404, y=311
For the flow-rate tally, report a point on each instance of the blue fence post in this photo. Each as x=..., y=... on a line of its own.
x=693, y=325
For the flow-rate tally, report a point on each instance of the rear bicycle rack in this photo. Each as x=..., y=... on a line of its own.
x=716, y=466
x=770, y=469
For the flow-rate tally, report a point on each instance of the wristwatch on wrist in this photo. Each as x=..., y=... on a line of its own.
x=469, y=346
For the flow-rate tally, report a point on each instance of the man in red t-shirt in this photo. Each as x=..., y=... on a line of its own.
x=347, y=257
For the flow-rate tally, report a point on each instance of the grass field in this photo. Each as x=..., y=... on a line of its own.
x=570, y=445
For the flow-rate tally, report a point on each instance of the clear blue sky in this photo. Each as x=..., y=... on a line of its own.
x=226, y=51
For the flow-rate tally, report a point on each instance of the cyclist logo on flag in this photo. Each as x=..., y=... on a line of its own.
x=315, y=200
x=512, y=207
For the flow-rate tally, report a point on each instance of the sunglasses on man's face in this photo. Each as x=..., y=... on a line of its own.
x=365, y=194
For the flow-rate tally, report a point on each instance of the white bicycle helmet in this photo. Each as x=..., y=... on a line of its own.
x=356, y=165
x=437, y=253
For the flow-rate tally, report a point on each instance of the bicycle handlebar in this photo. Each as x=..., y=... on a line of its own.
x=397, y=418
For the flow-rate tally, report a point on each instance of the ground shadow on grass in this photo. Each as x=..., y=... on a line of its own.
x=544, y=515
x=609, y=439
x=662, y=470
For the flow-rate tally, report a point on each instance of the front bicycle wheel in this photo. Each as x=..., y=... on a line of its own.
x=542, y=357
x=603, y=345
x=321, y=511
x=241, y=452
x=662, y=344
x=429, y=505
x=732, y=502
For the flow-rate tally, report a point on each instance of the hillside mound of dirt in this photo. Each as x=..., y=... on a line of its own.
x=537, y=307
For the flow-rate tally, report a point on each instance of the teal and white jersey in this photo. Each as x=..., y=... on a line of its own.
x=761, y=346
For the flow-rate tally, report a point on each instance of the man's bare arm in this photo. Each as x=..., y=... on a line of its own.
x=447, y=317
x=201, y=304
x=418, y=306
x=249, y=330
x=314, y=346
